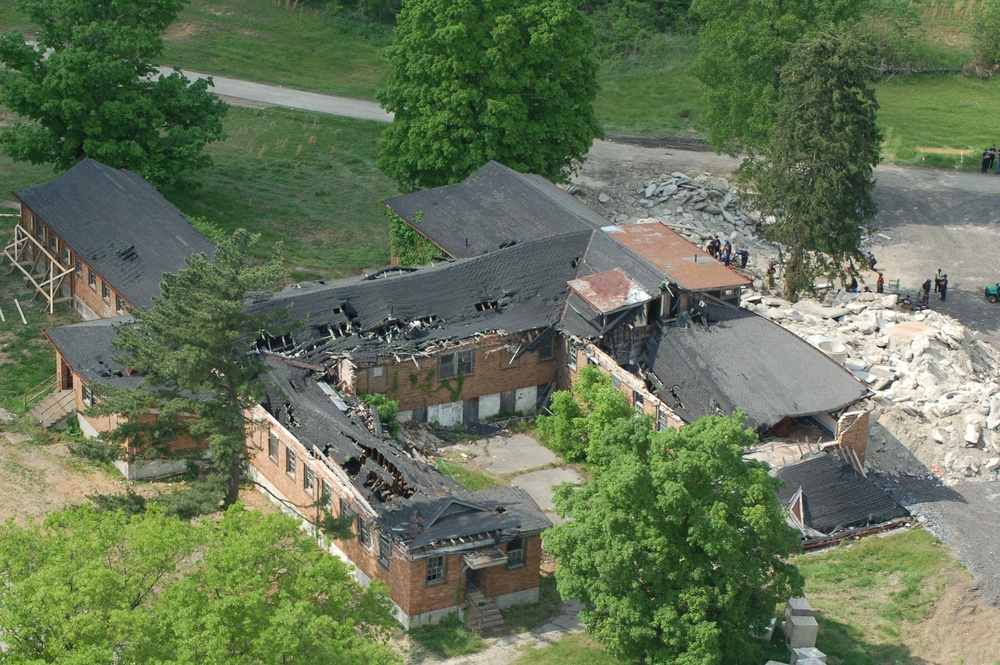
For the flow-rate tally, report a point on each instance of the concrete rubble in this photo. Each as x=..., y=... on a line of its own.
x=935, y=394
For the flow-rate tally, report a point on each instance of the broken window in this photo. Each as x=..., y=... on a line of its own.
x=290, y=462
x=384, y=549
x=307, y=479
x=67, y=257
x=79, y=267
x=455, y=364
x=446, y=368
x=53, y=244
x=119, y=303
x=91, y=279
x=364, y=534
x=88, y=395
x=327, y=495
x=515, y=553
x=547, y=351
x=272, y=446
x=105, y=292
x=435, y=569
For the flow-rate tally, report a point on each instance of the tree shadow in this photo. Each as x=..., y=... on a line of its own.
x=845, y=644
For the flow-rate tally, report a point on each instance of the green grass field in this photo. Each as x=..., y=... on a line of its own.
x=306, y=180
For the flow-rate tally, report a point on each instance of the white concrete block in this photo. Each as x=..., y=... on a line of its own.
x=801, y=632
x=806, y=656
x=524, y=399
x=489, y=405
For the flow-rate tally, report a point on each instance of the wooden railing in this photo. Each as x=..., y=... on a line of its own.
x=34, y=394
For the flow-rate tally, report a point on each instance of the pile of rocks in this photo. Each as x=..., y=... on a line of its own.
x=936, y=400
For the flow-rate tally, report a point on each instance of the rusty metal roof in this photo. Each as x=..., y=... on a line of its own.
x=609, y=291
x=680, y=260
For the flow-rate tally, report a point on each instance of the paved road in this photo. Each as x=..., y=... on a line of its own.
x=295, y=99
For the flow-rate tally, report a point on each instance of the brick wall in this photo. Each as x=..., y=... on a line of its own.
x=852, y=431
x=417, y=387
x=77, y=283
x=500, y=580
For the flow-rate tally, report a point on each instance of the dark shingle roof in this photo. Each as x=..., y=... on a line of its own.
x=86, y=348
x=746, y=361
x=494, y=207
x=836, y=496
x=528, y=283
x=438, y=509
x=119, y=224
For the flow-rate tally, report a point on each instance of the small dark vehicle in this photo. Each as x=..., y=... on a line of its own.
x=993, y=292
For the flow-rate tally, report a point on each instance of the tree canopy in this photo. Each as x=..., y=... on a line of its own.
x=743, y=46
x=88, y=88
x=89, y=587
x=475, y=80
x=677, y=548
x=815, y=172
x=194, y=349
x=984, y=28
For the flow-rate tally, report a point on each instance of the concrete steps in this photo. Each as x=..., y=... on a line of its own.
x=54, y=407
x=484, y=615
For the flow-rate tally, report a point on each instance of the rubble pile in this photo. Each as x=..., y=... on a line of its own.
x=935, y=398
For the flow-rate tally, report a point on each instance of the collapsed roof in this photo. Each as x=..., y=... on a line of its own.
x=419, y=506
x=119, y=224
x=734, y=359
x=831, y=497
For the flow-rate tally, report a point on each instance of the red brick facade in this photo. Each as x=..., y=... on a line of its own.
x=93, y=297
x=405, y=575
x=417, y=384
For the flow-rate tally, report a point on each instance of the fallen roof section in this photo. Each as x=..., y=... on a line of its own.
x=835, y=498
x=119, y=224
x=493, y=208
x=416, y=503
x=737, y=359
x=609, y=291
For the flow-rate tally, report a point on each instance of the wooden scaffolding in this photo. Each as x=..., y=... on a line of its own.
x=49, y=280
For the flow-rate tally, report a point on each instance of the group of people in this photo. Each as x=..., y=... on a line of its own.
x=940, y=286
x=723, y=251
x=990, y=158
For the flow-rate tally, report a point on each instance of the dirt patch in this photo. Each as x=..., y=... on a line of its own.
x=960, y=627
x=182, y=31
x=37, y=479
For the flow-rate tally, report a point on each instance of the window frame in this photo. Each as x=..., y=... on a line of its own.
x=119, y=303
x=458, y=363
x=308, y=479
x=548, y=351
x=290, y=462
x=364, y=532
x=344, y=508
x=515, y=556
x=326, y=494
x=67, y=255
x=88, y=395
x=437, y=568
x=79, y=267
x=272, y=446
x=92, y=279
x=384, y=549
x=105, y=292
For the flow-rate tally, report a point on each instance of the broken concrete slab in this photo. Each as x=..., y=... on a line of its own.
x=508, y=454
x=15, y=438
x=539, y=485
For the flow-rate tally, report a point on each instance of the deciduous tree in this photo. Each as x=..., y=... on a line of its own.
x=89, y=587
x=677, y=549
x=984, y=27
x=475, y=80
x=815, y=173
x=194, y=350
x=88, y=88
x=743, y=46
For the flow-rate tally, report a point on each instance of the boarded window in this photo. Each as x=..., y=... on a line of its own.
x=435, y=569
x=290, y=462
x=272, y=446
x=515, y=553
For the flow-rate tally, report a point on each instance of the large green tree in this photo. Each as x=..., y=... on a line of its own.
x=677, y=548
x=88, y=88
x=475, y=80
x=815, y=174
x=87, y=587
x=193, y=348
x=743, y=46
x=984, y=27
